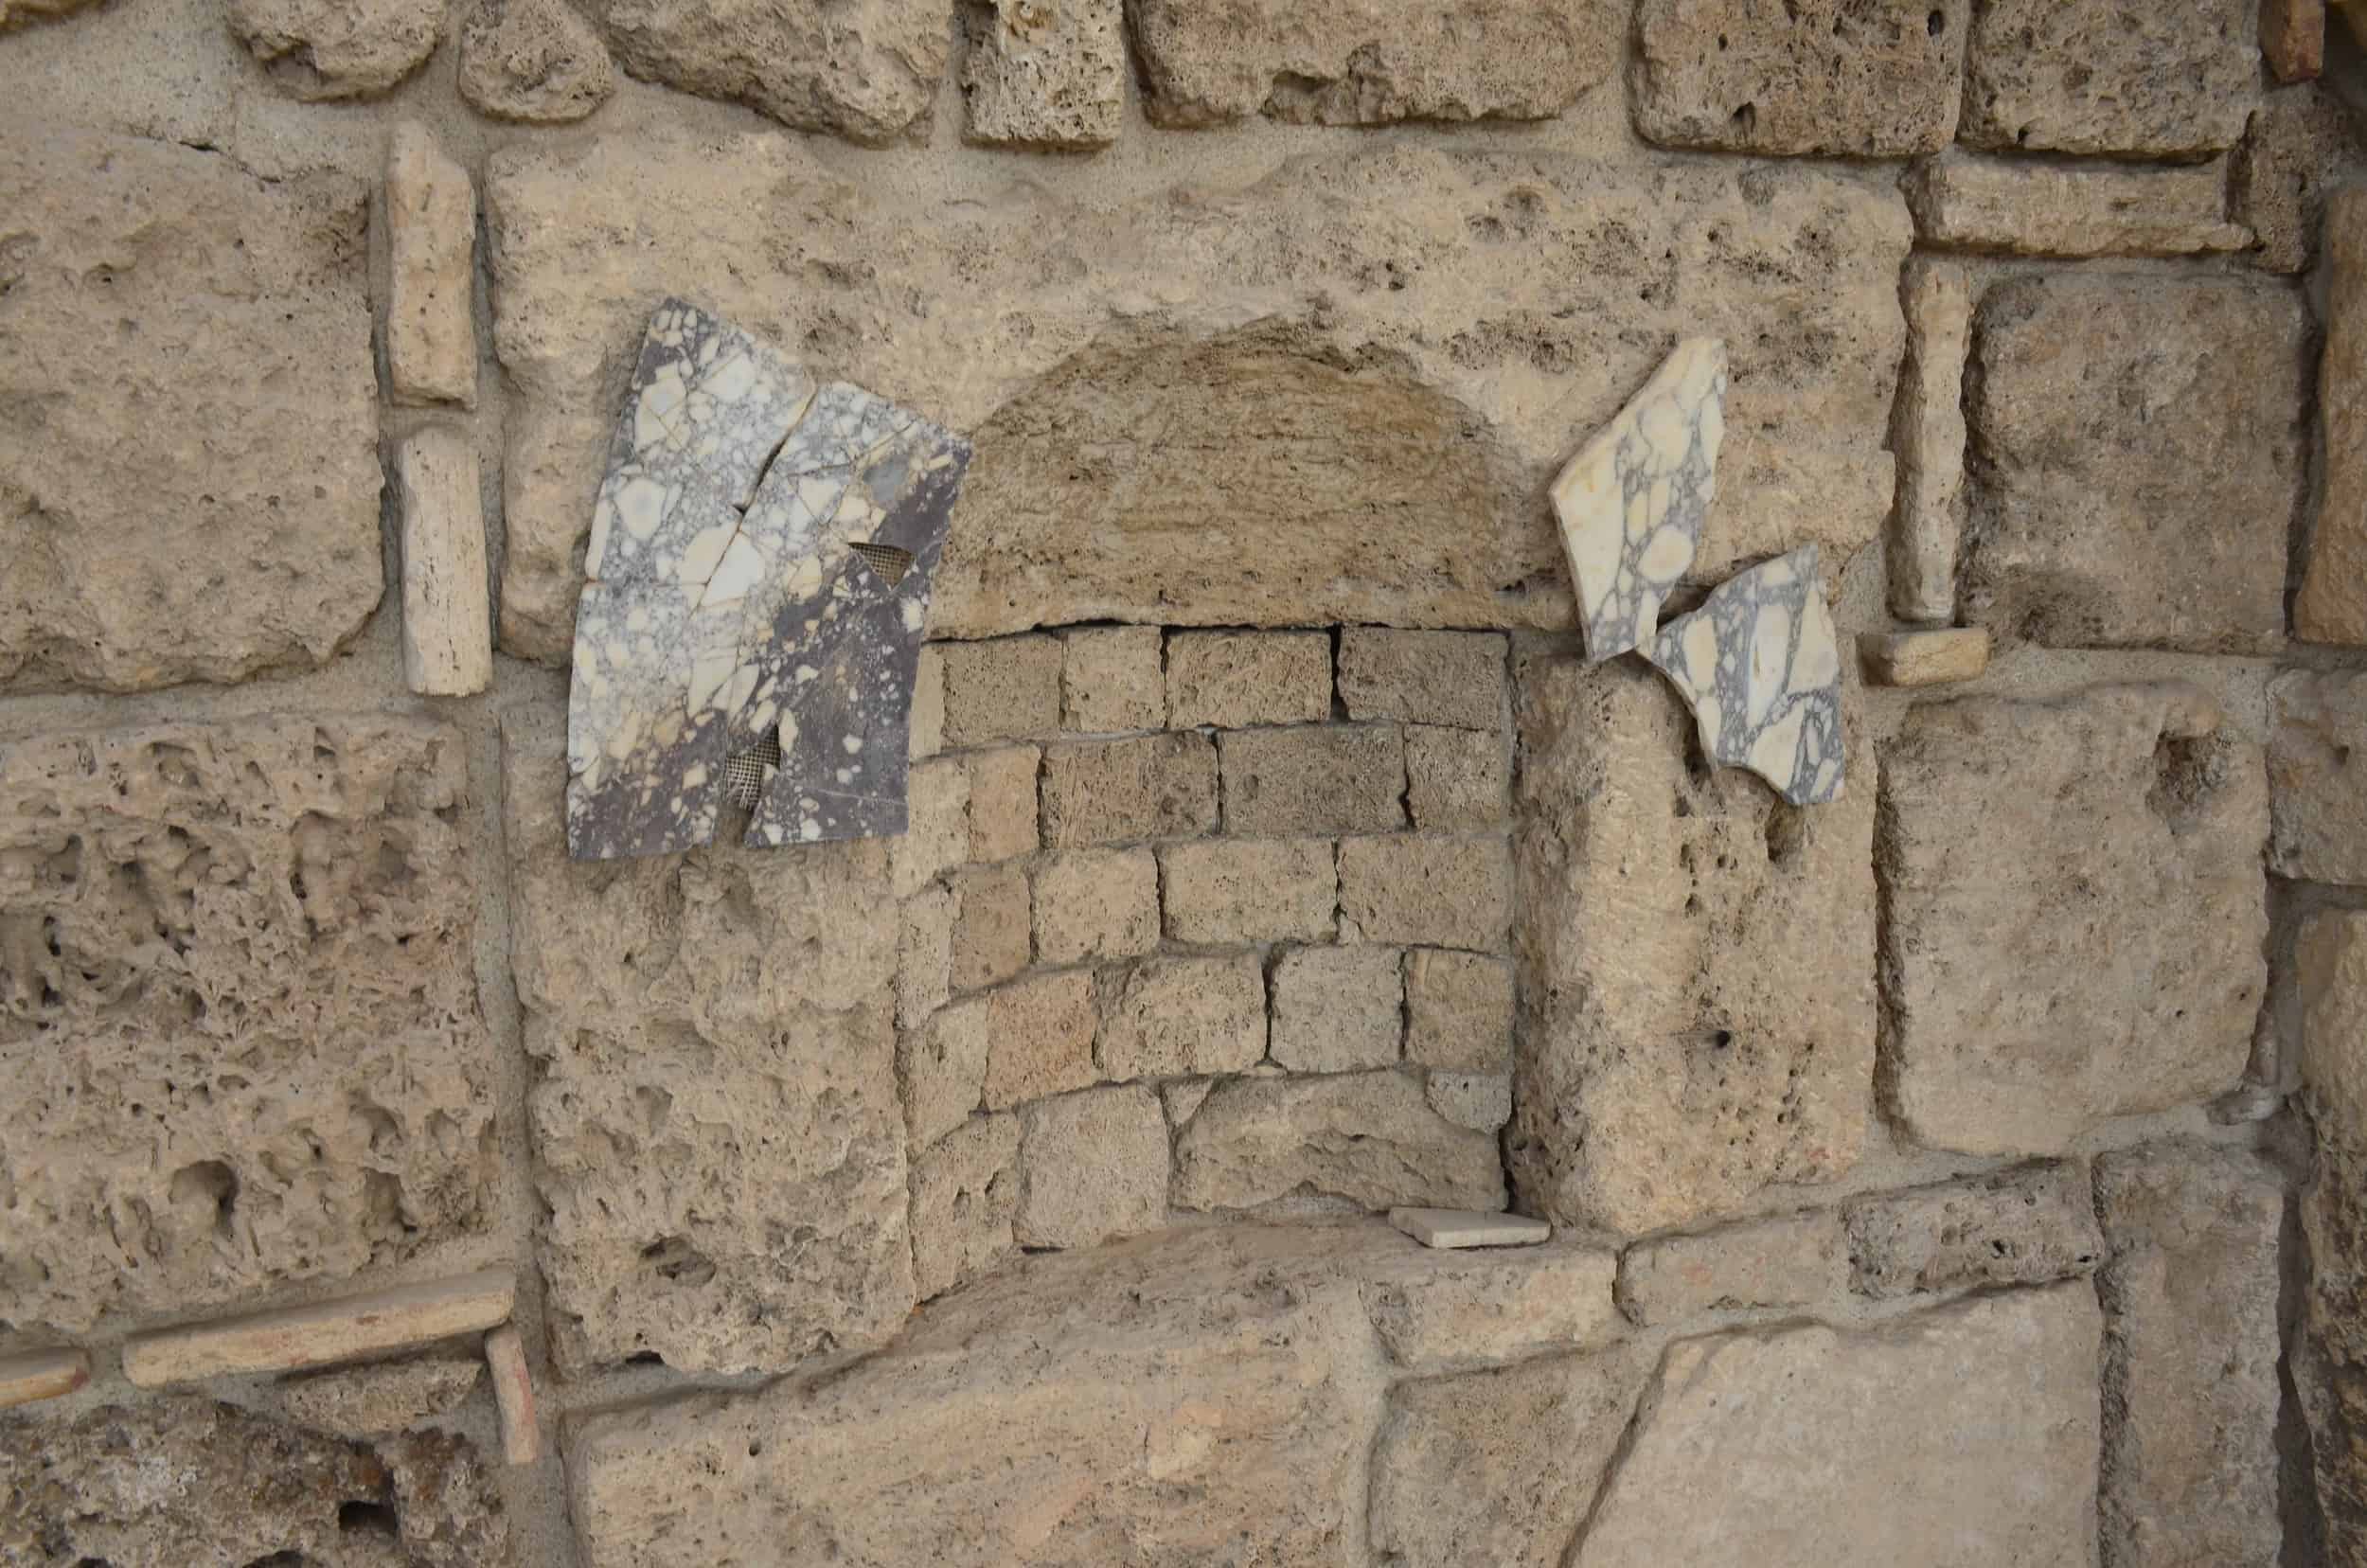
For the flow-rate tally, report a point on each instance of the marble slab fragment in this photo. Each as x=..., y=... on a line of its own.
x=1760, y=668
x=1633, y=502
x=1453, y=1230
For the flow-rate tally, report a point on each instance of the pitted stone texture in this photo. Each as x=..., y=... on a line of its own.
x=1962, y=200
x=2103, y=76
x=315, y=50
x=941, y=1068
x=1248, y=890
x=1458, y=1010
x=1425, y=889
x=1096, y=903
x=1368, y=1137
x=200, y=500
x=1673, y=1059
x=2119, y=426
x=2330, y=1367
x=2299, y=144
x=1234, y=679
x=2316, y=792
x=1539, y=290
x=1444, y=1310
x=965, y=1196
x=1500, y=1467
x=1008, y=689
x=1113, y=792
x=1452, y=678
x=1314, y=778
x=1096, y=1167
x=1338, y=1008
x=1175, y=1015
x=1928, y=436
x=1368, y=63
x=1045, y=73
x=1844, y=76
x=716, y=1127
x=2030, y=1225
x=238, y=1010
x=1456, y=779
x=364, y=1402
x=2190, y=1470
x=864, y=71
x=1785, y=1260
x=1964, y=1437
x=1481, y=1101
x=990, y=939
x=2332, y=604
x=1112, y=679
x=535, y=60
x=2075, y=913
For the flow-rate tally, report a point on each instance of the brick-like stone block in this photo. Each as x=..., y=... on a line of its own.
x=1006, y=689
x=1368, y=1137
x=1116, y=792
x=1697, y=963
x=1814, y=76
x=1456, y=778
x=1232, y=679
x=1112, y=679
x=2332, y=604
x=2075, y=913
x=1784, y=1260
x=1928, y=437
x=925, y=728
x=1315, y=779
x=2096, y=76
x=1096, y=903
x=1438, y=1311
x=937, y=829
x=238, y=1001
x=2139, y=447
x=379, y=1397
x=1096, y=1167
x=2317, y=802
x=1458, y=1010
x=2277, y=179
x=430, y=313
x=1481, y=1101
x=1040, y=1040
x=1170, y=1016
x=1420, y=889
x=1248, y=890
x=941, y=1068
x=965, y=1196
x=1001, y=803
x=537, y=62
x=1456, y=678
x=447, y=619
x=991, y=925
x=1338, y=1008
x=2028, y=1225
x=1045, y=75
x=2330, y=1363
x=1965, y=200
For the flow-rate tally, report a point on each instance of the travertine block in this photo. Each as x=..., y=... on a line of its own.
x=1248, y=890
x=991, y=925
x=1232, y=679
x=2317, y=804
x=1185, y=1015
x=942, y=1068
x=1096, y=1167
x=1005, y=690
x=535, y=60
x=431, y=313
x=1096, y=903
x=1112, y=679
x=1928, y=439
x=1965, y=200
x=1040, y=1038
x=1315, y=779
x=1785, y=1261
x=1002, y=802
x=1368, y=1137
x=1458, y=1010
x=330, y=1331
x=2028, y=1225
x=2332, y=604
x=513, y=1395
x=1045, y=73
x=2095, y=76
x=1455, y=678
x=1453, y=1230
x=447, y=614
x=366, y=1402
x=2300, y=145
x=1338, y=1008
x=1420, y=889
x=965, y=1196
x=41, y=1375
x=1442, y=1307
x=1116, y=791
x=1456, y=778
x=1924, y=658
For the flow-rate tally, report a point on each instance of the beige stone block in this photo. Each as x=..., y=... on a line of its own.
x=991, y=925
x=2028, y=1225
x=1041, y=75
x=319, y=1335
x=1313, y=780
x=1455, y=1230
x=1002, y=802
x=1248, y=890
x=1096, y=903
x=2293, y=38
x=1183, y=1097
x=1458, y=1010
x=41, y=1375
x=1004, y=690
x=1420, y=889
x=1177, y=1015
x=2317, y=804
x=1234, y=679
x=446, y=610
x=513, y=1396
x=2300, y=145
x=2330, y=1361
x=1928, y=437
x=2092, y=76
x=534, y=60
x=311, y=50
x=366, y=1402
x=2330, y=960
x=1338, y=1008
x=937, y=829
x=1368, y=1137
x=1112, y=679
x=1119, y=791
x=865, y=75
x=1481, y=1101
x=1096, y=1167
x=965, y=1196
x=2332, y=604
x=2016, y=206
x=1454, y=678
x=924, y=955
x=1040, y=1038
x=1924, y=658
x=431, y=311
x=925, y=727
x=1441, y=1308
x=1456, y=778
x=1785, y=1261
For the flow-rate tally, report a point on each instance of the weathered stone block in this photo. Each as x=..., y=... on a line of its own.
x=2299, y=144
x=314, y=50
x=965, y=1197
x=349, y=1327
x=447, y=618
x=1113, y=791
x=1444, y=1310
x=2330, y=1361
x=924, y=728
x=1935, y=657
x=2317, y=805
x=1420, y=889
x=1045, y=73
x=2029, y=1225
x=1096, y=903
x=1315, y=779
x=1248, y=890
x=2293, y=38
x=937, y=828
x=1003, y=802
x=2030, y=850
x=1814, y=76
x=1458, y=1010
x=1368, y=1137
x=1171, y=1016
x=200, y=500
x=2119, y=424
x=238, y=1010
x=1338, y=1008
x=1962, y=200
x=1112, y=679
x=991, y=925
x=364, y=1402
x=1006, y=689
x=2094, y=76
x=942, y=1068
x=535, y=60
x=865, y=72
x=1096, y=1167
x=431, y=299
x=1232, y=679
x=1456, y=778
x=1927, y=438
x=2332, y=604
x=1785, y=1261
x=1042, y=1038
x=1675, y=1059
x=1481, y=1101
x=1455, y=678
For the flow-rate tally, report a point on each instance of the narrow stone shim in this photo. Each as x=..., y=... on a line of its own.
x=41, y=1375
x=326, y=1332
x=513, y=1395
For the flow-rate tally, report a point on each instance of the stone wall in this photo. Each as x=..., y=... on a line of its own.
x=1963, y=1172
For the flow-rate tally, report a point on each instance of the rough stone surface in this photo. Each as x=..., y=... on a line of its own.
x=1096, y=1167
x=1248, y=890
x=942, y=1068
x=1177, y=1015
x=1818, y=75
x=431, y=302
x=991, y=940
x=447, y=618
x=937, y=828
x=2098, y=75
x=1042, y=1038
x=317, y=49
x=1675, y=1057
x=1111, y=791
x=1540, y=289
x=534, y=60
x=2332, y=604
x=865, y=72
x=200, y=500
x=238, y=1010
x=2317, y=806
x=1928, y=439
x=1458, y=1010
x=2190, y=1467
x=2075, y=913
x=1045, y=73
x=1455, y=778
x=2293, y=38
x=2029, y=1225
x=1363, y=62
x=1785, y=1261
x=1367, y=1137
x=1338, y=1008
x=364, y=1402
x=1112, y=679
x=2330, y=1362
x=1443, y=1310
x=717, y=1126
x=1096, y=903
x=1964, y=201
x=1426, y=890
x=965, y=1197
x=1924, y=658
x=1481, y=1101
x=17, y=12
x=1316, y=778
x=1454, y=678
x=1500, y=1467
x=323, y=1333
x=1006, y=689
x=1232, y=679
x=2300, y=141
x=1964, y=1437
x=2137, y=461
x=1002, y=808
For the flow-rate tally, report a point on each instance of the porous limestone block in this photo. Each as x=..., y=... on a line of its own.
x=1458, y=1010
x=446, y=608
x=1045, y=73
x=1452, y=678
x=1182, y=1097
x=936, y=831
x=1928, y=439
x=317, y=49
x=42, y=1374
x=1673, y=1058
x=1961, y=1437
x=1481, y=1101
x=2028, y=1225
x=2299, y=144
x=365, y=1402
x=1781, y=1261
x=2122, y=422
x=1456, y=778
x=322, y=1335
x=2075, y=912
x=941, y=1066
x=1924, y=658
x=1444, y=1310
x=1317, y=778
x=238, y=999
x=1453, y=1230
x=1004, y=690
x=1248, y=890
x=1423, y=889
x=223, y=519
x=1177, y=1015
x=1096, y=1167
x=2332, y=604
x=1002, y=815
x=1368, y=1137
x=431, y=242
x=2190, y=1465
x=1112, y=679
x=513, y=1395
x=2293, y=38
x=965, y=1196
x=2317, y=805
x=1096, y=903
x=2330, y=1361
x=537, y=62
x=1338, y=1008
x=991, y=925
x=2095, y=76
x=1232, y=679
x=1114, y=792
x=1966, y=201
x=1040, y=1037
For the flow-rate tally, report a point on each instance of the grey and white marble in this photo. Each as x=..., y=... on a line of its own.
x=1760, y=667
x=722, y=596
x=1631, y=504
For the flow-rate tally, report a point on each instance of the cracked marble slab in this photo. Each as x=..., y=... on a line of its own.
x=738, y=615
x=1633, y=502
x=1760, y=667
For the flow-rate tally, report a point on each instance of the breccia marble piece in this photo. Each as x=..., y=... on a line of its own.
x=755, y=588
x=1632, y=503
x=1760, y=668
